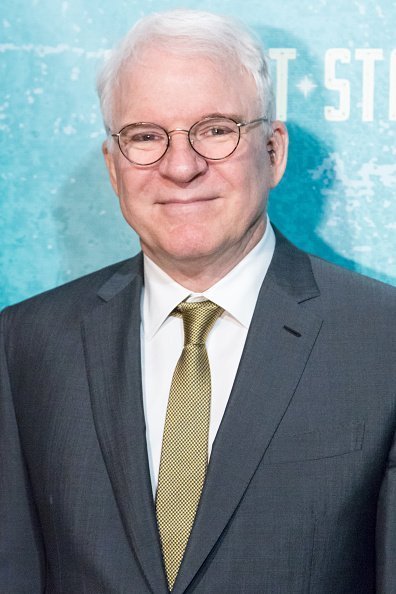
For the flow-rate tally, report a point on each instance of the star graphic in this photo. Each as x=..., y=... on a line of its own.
x=306, y=86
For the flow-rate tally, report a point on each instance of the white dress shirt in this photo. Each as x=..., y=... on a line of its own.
x=162, y=337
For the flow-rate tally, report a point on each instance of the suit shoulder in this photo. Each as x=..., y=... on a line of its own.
x=79, y=294
x=307, y=276
x=339, y=283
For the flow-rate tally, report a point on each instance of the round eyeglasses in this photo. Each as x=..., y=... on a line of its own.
x=213, y=138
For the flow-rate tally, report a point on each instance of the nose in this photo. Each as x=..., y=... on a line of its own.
x=180, y=162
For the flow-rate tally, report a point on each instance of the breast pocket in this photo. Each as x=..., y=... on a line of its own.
x=323, y=443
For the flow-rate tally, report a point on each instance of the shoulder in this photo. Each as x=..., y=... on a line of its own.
x=74, y=298
x=334, y=280
x=347, y=301
x=355, y=309
x=309, y=277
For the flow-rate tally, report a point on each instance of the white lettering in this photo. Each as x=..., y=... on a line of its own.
x=282, y=55
x=368, y=57
x=340, y=85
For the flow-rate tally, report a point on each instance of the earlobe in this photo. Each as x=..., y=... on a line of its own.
x=277, y=150
x=109, y=159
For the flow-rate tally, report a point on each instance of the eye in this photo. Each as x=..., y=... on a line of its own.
x=216, y=131
x=145, y=137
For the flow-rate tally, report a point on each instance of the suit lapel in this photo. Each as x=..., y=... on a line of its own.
x=111, y=335
x=280, y=340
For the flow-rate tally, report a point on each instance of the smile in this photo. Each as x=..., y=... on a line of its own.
x=187, y=202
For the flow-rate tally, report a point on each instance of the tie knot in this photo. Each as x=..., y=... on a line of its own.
x=198, y=319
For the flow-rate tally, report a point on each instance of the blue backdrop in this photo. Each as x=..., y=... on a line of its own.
x=334, y=67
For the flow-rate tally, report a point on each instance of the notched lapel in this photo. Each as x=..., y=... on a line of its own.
x=280, y=340
x=111, y=335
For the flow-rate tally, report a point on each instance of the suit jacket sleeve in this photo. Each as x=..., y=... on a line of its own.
x=386, y=529
x=20, y=543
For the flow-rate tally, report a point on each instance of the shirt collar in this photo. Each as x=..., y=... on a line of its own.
x=236, y=292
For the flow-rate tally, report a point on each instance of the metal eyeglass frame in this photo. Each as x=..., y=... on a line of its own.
x=188, y=132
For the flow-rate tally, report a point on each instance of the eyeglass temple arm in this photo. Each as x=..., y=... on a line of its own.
x=263, y=119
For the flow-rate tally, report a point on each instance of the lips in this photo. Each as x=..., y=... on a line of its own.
x=187, y=201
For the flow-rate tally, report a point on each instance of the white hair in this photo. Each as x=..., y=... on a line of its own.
x=188, y=32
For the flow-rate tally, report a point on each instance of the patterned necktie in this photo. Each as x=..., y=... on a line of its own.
x=184, y=454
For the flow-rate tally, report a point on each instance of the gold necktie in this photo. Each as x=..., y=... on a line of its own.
x=184, y=454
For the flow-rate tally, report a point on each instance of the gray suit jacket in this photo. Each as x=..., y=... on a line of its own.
x=300, y=495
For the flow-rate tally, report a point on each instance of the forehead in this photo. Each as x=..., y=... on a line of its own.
x=174, y=89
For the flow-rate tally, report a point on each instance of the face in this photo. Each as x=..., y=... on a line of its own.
x=189, y=211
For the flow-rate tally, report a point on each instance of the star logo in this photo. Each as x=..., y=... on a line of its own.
x=306, y=86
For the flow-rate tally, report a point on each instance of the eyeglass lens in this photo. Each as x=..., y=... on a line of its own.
x=212, y=138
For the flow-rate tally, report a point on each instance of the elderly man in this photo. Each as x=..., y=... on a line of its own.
x=216, y=414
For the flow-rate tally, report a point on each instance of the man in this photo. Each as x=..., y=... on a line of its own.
x=104, y=485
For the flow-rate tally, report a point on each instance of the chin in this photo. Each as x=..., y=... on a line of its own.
x=191, y=241
x=186, y=249
x=189, y=253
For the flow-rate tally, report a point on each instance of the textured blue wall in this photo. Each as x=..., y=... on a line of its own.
x=334, y=63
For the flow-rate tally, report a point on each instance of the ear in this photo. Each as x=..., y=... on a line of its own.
x=277, y=146
x=111, y=167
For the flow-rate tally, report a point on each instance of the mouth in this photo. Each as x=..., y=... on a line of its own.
x=196, y=200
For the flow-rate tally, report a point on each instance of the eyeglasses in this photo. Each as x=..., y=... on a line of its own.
x=213, y=138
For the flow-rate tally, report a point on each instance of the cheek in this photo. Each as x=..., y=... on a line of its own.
x=250, y=165
x=250, y=183
x=131, y=185
x=259, y=175
x=131, y=196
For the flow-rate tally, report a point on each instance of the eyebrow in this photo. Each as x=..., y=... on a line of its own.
x=232, y=116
